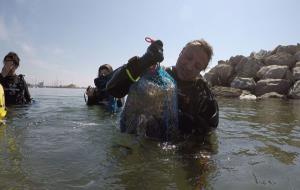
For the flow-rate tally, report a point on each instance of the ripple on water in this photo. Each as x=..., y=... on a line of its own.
x=60, y=143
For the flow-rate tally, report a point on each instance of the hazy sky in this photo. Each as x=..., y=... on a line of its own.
x=65, y=41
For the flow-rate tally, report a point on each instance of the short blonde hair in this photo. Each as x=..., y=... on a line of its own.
x=202, y=44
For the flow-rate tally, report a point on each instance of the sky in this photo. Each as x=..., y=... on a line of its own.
x=65, y=41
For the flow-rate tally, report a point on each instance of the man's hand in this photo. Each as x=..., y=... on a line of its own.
x=90, y=91
x=154, y=54
x=8, y=66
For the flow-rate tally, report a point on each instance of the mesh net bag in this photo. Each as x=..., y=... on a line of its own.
x=151, y=108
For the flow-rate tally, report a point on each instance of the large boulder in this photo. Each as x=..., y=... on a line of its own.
x=275, y=72
x=295, y=91
x=247, y=96
x=243, y=83
x=272, y=95
x=221, y=91
x=248, y=69
x=261, y=54
x=291, y=49
x=212, y=77
x=220, y=75
x=222, y=62
x=296, y=73
x=234, y=60
x=281, y=86
x=297, y=56
x=280, y=58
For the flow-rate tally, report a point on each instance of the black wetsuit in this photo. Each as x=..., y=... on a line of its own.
x=198, y=109
x=100, y=93
x=15, y=89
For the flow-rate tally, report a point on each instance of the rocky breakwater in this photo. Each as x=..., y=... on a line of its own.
x=263, y=74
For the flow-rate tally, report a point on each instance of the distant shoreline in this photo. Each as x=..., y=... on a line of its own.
x=59, y=87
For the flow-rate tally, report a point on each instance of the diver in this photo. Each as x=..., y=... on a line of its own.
x=99, y=95
x=15, y=87
x=198, y=111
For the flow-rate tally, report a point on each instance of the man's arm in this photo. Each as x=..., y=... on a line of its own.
x=26, y=90
x=91, y=96
x=206, y=108
x=122, y=78
x=118, y=86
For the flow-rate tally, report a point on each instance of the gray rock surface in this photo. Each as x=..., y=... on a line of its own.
x=275, y=72
x=272, y=95
x=295, y=91
x=281, y=86
x=221, y=91
x=220, y=75
x=248, y=69
x=262, y=72
x=243, y=83
x=281, y=58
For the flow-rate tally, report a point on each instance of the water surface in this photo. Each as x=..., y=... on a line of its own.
x=60, y=143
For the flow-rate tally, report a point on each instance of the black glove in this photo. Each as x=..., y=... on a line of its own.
x=153, y=55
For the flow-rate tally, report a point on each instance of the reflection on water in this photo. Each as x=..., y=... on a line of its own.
x=259, y=144
x=60, y=143
x=10, y=162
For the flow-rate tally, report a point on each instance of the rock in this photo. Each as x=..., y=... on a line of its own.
x=291, y=49
x=246, y=96
x=243, y=83
x=272, y=95
x=296, y=73
x=228, y=92
x=275, y=72
x=249, y=68
x=280, y=86
x=221, y=62
x=281, y=58
x=220, y=75
x=212, y=77
x=234, y=60
x=260, y=73
x=260, y=55
x=275, y=50
x=295, y=91
x=297, y=56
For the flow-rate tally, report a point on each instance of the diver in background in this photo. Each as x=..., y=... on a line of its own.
x=198, y=110
x=99, y=95
x=15, y=87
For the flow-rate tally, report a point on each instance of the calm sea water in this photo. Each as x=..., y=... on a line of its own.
x=60, y=143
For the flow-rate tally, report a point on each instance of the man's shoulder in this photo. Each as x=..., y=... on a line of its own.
x=21, y=78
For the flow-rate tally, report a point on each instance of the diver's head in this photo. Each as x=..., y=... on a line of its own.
x=10, y=64
x=104, y=70
x=193, y=59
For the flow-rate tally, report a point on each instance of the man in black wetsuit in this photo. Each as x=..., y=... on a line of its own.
x=99, y=95
x=15, y=87
x=198, y=109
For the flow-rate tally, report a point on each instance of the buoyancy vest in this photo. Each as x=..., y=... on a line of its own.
x=15, y=90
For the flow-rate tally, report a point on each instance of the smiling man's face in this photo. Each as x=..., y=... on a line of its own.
x=9, y=68
x=191, y=61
